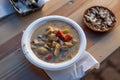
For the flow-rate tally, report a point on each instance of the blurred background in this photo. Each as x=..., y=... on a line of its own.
x=109, y=69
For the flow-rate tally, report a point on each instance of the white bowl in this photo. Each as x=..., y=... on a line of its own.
x=45, y=65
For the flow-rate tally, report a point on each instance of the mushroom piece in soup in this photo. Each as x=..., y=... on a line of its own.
x=55, y=42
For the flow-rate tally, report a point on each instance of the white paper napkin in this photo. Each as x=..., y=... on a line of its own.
x=5, y=8
x=76, y=71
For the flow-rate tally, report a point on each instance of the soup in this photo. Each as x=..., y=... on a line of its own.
x=55, y=42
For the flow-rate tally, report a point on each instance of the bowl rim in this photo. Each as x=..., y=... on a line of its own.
x=25, y=44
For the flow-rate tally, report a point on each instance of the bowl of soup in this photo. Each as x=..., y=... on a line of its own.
x=53, y=42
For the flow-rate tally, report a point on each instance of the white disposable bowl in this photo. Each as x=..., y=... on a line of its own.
x=45, y=65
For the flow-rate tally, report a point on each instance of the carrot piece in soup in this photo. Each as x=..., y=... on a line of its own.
x=68, y=37
x=60, y=34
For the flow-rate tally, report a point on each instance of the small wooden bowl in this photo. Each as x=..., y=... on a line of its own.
x=99, y=18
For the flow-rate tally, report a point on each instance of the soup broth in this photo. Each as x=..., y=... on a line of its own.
x=55, y=42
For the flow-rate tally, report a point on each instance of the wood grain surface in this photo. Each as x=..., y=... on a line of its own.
x=13, y=64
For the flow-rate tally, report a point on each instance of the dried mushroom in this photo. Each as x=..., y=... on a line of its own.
x=99, y=18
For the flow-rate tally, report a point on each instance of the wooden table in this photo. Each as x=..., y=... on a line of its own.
x=13, y=64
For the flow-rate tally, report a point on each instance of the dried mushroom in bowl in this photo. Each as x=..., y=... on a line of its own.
x=99, y=18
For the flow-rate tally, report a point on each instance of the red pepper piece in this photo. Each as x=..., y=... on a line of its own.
x=60, y=34
x=48, y=56
x=68, y=37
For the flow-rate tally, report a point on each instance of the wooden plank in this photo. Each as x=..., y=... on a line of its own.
x=10, y=46
x=93, y=37
x=16, y=67
x=13, y=64
x=72, y=8
x=68, y=9
x=106, y=45
x=15, y=31
x=14, y=24
x=90, y=37
x=107, y=3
